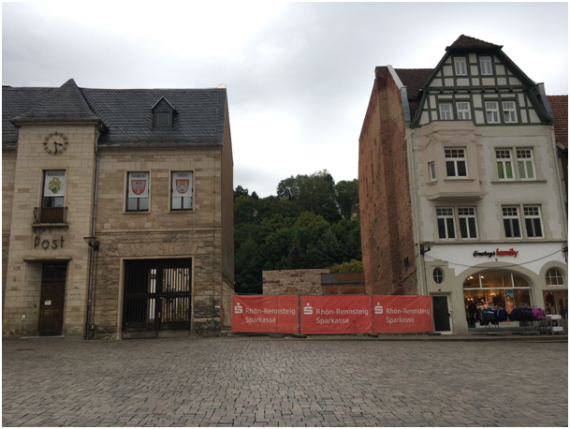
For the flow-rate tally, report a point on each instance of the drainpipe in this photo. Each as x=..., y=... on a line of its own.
x=91, y=249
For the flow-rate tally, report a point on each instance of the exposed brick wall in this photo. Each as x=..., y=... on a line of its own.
x=293, y=282
x=385, y=206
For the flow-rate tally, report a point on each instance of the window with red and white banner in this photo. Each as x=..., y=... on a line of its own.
x=182, y=190
x=335, y=314
x=137, y=192
x=265, y=313
x=401, y=313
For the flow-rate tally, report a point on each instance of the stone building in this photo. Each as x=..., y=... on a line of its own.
x=117, y=211
x=461, y=194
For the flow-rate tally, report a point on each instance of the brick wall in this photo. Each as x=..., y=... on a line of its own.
x=293, y=282
x=385, y=206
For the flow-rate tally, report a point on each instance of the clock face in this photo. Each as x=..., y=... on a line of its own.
x=55, y=143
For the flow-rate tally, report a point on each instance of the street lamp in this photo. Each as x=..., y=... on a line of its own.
x=92, y=242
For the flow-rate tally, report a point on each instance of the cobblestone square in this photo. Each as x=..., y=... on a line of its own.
x=283, y=382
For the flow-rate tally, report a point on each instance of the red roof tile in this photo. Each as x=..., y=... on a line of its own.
x=471, y=42
x=559, y=104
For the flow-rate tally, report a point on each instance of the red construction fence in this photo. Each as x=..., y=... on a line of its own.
x=320, y=314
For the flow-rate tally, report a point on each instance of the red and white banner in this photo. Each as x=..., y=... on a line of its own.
x=138, y=185
x=182, y=184
x=335, y=314
x=401, y=313
x=265, y=313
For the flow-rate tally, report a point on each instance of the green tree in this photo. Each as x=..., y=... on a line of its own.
x=346, y=196
x=248, y=277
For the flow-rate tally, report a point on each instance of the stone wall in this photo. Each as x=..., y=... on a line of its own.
x=384, y=194
x=293, y=282
x=8, y=177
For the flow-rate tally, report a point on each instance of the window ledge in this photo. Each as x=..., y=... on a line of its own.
x=495, y=182
x=460, y=179
x=49, y=226
x=182, y=211
x=137, y=212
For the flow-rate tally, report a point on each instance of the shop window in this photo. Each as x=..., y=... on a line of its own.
x=467, y=222
x=492, y=109
x=137, y=192
x=511, y=222
x=556, y=302
x=509, y=112
x=445, y=112
x=445, y=223
x=463, y=111
x=525, y=164
x=438, y=275
x=504, y=164
x=455, y=163
x=182, y=190
x=486, y=68
x=554, y=277
x=460, y=66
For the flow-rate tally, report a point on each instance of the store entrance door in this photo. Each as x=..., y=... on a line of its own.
x=52, y=300
x=441, y=314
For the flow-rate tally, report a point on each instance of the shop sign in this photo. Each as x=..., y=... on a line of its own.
x=48, y=244
x=394, y=314
x=335, y=314
x=510, y=252
x=269, y=313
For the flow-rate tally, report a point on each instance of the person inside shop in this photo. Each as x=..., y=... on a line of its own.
x=563, y=310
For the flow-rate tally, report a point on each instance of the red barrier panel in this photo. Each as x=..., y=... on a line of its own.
x=269, y=313
x=335, y=314
x=397, y=313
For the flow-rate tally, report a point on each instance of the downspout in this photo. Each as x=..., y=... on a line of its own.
x=91, y=249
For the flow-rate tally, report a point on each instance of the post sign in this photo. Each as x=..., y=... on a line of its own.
x=265, y=313
x=335, y=314
x=401, y=313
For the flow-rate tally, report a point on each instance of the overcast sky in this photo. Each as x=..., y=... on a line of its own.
x=299, y=75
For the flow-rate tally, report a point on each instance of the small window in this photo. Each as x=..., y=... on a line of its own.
x=511, y=222
x=137, y=193
x=460, y=66
x=463, y=111
x=554, y=277
x=438, y=275
x=54, y=189
x=455, y=163
x=445, y=112
x=532, y=222
x=182, y=191
x=445, y=223
x=431, y=168
x=163, y=119
x=504, y=164
x=492, y=109
x=467, y=222
x=525, y=164
x=509, y=112
x=486, y=67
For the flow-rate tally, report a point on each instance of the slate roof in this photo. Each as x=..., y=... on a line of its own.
x=125, y=114
x=464, y=41
x=413, y=80
x=559, y=105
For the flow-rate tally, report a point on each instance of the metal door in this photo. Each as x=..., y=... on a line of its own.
x=157, y=297
x=52, y=300
x=441, y=314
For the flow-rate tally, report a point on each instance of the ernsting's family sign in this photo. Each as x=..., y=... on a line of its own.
x=510, y=252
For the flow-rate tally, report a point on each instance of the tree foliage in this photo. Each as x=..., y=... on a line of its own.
x=300, y=227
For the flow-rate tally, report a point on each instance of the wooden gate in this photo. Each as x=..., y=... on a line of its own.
x=52, y=300
x=157, y=297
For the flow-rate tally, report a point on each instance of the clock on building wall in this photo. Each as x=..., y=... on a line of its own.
x=55, y=143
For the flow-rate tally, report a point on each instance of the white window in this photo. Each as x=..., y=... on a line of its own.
x=182, y=190
x=137, y=192
x=437, y=275
x=467, y=222
x=554, y=277
x=525, y=164
x=460, y=66
x=486, y=68
x=431, y=168
x=511, y=222
x=445, y=112
x=492, y=109
x=504, y=164
x=445, y=223
x=509, y=112
x=463, y=110
x=455, y=163
x=532, y=222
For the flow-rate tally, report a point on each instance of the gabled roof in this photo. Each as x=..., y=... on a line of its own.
x=464, y=41
x=165, y=100
x=125, y=113
x=413, y=80
x=559, y=105
x=64, y=104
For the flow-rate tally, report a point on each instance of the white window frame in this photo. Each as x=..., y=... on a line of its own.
x=444, y=114
x=525, y=164
x=504, y=157
x=431, y=170
x=509, y=112
x=463, y=114
x=486, y=64
x=554, y=277
x=139, y=199
x=446, y=214
x=511, y=216
x=531, y=215
x=183, y=199
x=492, y=112
x=455, y=158
x=460, y=66
x=467, y=213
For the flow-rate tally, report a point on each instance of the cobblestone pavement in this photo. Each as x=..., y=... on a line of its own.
x=246, y=382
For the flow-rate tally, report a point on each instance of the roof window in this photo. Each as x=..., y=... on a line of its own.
x=163, y=113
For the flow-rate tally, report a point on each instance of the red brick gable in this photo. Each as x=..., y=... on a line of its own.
x=559, y=104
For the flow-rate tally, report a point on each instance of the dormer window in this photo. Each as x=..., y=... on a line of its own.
x=163, y=114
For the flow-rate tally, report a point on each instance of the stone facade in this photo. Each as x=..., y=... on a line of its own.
x=293, y=282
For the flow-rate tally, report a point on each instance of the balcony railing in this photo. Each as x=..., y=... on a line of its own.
x=50, y=215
